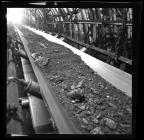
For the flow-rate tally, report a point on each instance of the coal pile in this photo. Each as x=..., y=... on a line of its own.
x=94, y=105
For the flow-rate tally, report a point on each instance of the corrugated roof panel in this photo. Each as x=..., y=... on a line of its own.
x=51, y=12
x=40, y=13
x=54, y=10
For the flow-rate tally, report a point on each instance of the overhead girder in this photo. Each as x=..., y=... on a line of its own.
x=81, y=15
x=53, y=11
x=90, y=13
x=43, y=13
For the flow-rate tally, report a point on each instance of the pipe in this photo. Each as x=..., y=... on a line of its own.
x=29, y=86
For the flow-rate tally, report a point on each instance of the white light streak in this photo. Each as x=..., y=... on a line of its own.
x=15, y=15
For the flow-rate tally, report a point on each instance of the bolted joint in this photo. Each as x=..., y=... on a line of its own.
x=23, y=102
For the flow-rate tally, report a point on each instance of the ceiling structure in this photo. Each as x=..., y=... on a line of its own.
x=108, y=29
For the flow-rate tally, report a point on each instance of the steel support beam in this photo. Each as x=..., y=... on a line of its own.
x=59, y=114
x=92, y=22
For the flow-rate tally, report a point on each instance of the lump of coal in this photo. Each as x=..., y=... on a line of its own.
x=96, y=130
x=63, y=85
x=79, y=85
x=56, y=51
x=56, y=79
x=42, y=61
x=76, y=95
x=112, y=105
x=85, y=120
x=110, y=123
x=36, y=55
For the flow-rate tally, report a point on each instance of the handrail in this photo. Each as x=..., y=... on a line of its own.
x=121, y=58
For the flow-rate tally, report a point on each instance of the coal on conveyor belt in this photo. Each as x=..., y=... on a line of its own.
x=94, y=105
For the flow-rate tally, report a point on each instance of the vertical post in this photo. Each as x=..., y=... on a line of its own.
x=94, y=32
x=70, y=29
x=80, y=32
x=84, y=26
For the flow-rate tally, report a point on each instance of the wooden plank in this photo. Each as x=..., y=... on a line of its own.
x=125, y=60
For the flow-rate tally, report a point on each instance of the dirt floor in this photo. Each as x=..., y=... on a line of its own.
x=94, y=105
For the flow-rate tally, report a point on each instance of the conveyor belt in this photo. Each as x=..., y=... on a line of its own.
x=63, y=123
x=65, y=126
